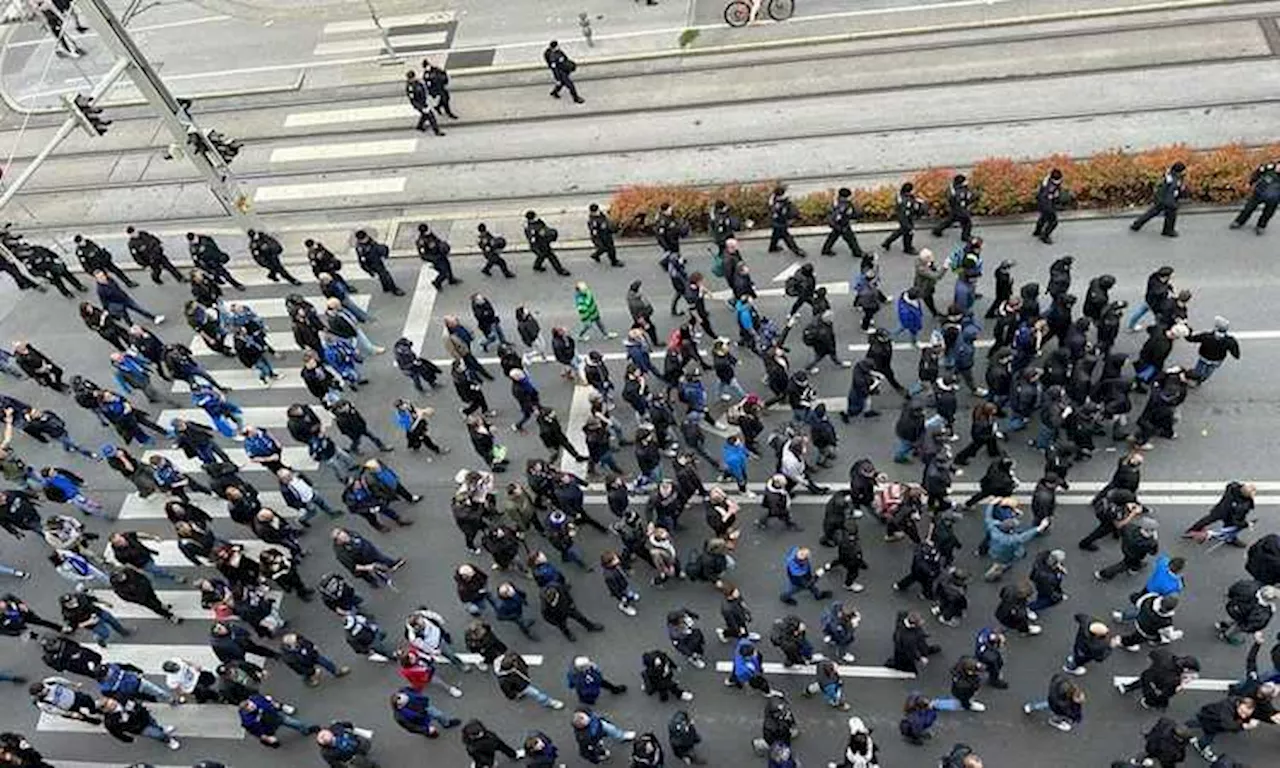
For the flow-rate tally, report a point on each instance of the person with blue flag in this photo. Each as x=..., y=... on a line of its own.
x=222, y=412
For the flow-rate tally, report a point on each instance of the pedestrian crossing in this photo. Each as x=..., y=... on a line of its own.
x=243, y=379
x=185, y=602
x=135, y=507
x=406, y=34
x=293, y=456
x=169, y=556
x=267, y=417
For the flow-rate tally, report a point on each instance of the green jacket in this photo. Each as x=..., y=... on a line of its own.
x=585, y=303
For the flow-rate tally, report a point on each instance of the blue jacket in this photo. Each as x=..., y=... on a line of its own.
x=963, y=351
x=839, y=632
x=547, y=573
x=130, y=372
x=734, y=458
x=119, y=680
x=694, y=395
x=508, y=608
x=638, y=354
x=746, y=667
x=910, y=316
x=1006, y=547
x=799, y=572
x=586, y=682
x=416, y=711
x=265, y=720
x=261, y=444
x=745, y=319
x=1163, y=581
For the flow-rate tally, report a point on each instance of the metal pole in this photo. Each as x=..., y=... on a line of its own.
x=387, y=48
x=222, y=183
x=62, y=133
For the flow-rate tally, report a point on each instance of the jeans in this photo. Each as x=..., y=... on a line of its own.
x=1042, y=602
x=494, y=336
x=152, y=689
x=952, y=704
x=325, y=663
x=289, y=721
x=8, y=571
x=363, y=343
x=341, y=463
x=731, y=387
x=315, y=507
x=1017, y=423
x=475, y=608
x=355, y=441
x=1139, y=311
x=380, y=646
x=159, y=572
x=586, y=325
x=537, y=694
x=264, y=369
x=107, y=622
x=610, y=730
x=155, y=731
x=354, y=309
x=1204, y=369
x=789, y=591
x=522, y=622
x=87, y=506
x=606, y=460
x=1038, y=706
x=903, y=451
x=70, y=445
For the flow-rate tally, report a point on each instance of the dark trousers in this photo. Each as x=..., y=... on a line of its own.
x=1170, y=218
x=605, y=247
x=964, y=220
x=546, y=253
x=1103, y=529
x=1268, y=210
x=969, y=451
x=1045, y=225
x=1204, y=522
x=905, y=231
x=388, y=282
x=276, y=270
x=442, y=104
x=60, y=276
x=563, y=80
x=783, y=234
x=492, y=260
x=444, y=274
x=427, y=117
x=24, y=283
x=1115, y=569
x=221, y=275
x=161, y=262
x=576, y=615
x=845, y=234
x=112, y=268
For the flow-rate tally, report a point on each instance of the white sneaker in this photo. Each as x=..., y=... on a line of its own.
x=631, y=735
x=627, y=609
x=1032, y=615
x=822, y=571
x=1077, y=671
x=1119, y=686
x=1034, y=629
x=857, y=514
x=720, y=634
x=159, y=319
x=848, y=658
x=856, y=587
x=455, y=692
x=686, y=696
x=698, y=662
x=977, y=706
x=379, y=658
x=556, y=704
x=1062, y=725
x=1117, y=616
x=174, y=744
x=168, y=729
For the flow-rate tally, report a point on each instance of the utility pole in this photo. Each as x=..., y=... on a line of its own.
x=222, y=182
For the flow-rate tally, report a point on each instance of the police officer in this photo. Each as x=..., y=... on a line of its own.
x=321, y=258
x=416, y=92
x=372, y=257
x=601, y=231
x=723, y=226
x=1168, y=191
x=1047, y=197
x=562, y=68
x=210, y=258
x=94, y=257
x=435, y=251
x=840, y=219
x=960, y=199
x=491, y=246
x=668, y=230
x=266, y=252
x=906, y=207
x=148, y=251
x=540, y=238
x=437, y=82
x=1266, y=192
x=43, y=262
x=781, y=213
x=24, y=283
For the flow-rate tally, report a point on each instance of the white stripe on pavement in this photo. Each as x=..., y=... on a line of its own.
x=782, y=276
x=400, y=111
x=387, y=22
x=294, y=456
x=205, y=721
x=241, y=379
x=169, y=556
x=149, y=658
x=418, y=319
x=276, y=307
x=833, y=289
x=345, y=150
x=1198, y=684
x=152, y=508
x=375, y=44
x=532, y=659
x=266, y=417
x=185, y=602
x=393, y=185
x=579, y=410
x=280, y=341
x=846, y=670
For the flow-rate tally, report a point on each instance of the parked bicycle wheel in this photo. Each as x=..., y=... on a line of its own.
x=781, y=10
x=737, y=13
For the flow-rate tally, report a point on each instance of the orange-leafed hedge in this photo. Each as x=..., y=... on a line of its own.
x=1112, y=179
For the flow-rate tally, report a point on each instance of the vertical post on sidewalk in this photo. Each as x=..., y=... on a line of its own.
x=222, y=182
x=387, y=48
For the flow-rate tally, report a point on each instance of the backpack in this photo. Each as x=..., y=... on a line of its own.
x=810, y=335
x=1243, y=591
x=717, y=264
x=792, y=286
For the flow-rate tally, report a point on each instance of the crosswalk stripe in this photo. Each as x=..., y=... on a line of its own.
x=257, y=278
x=149, y=658
x=338, y=151
x=135, y=507
x=1198, y=684
x=401, y=111
x=579, y=410
x=280, y=341
x=375, y=44
x=276, y=307
x=185, y=602
x=846, y=670
x=532, y=659
x=205, y=721
x=169, y=556
x=241, y=379
x=293, y=456
x=833, y=289
x=388, y=22
x=391, y=185
x=267, y=417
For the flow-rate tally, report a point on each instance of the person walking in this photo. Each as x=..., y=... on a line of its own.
x=562, y=68
x=1169, y=190
x=416, y=92
x=1265, y=191
x=372, y=257
x=584, y=301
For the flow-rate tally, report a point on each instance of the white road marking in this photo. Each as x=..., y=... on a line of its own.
x=169, y=556
x=418, y=319
x=846, y=670
x=280, y=341
x=241, y=379
x=185, y=602
x=133, y=30
x=204, y=721
x=532, y=659
x=276, y=307
x=149, y=658
x=375, y=44
x=267, y=417
x=782, y=276
x=400, y=111
x=388, y=22
x=152, y=508
x=340, y=151
x=348, y=188
x=294, y=456
x=579, y=410
x=1199, y=684
x=840, y=288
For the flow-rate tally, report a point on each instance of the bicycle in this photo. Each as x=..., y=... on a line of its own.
x=740, y=13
